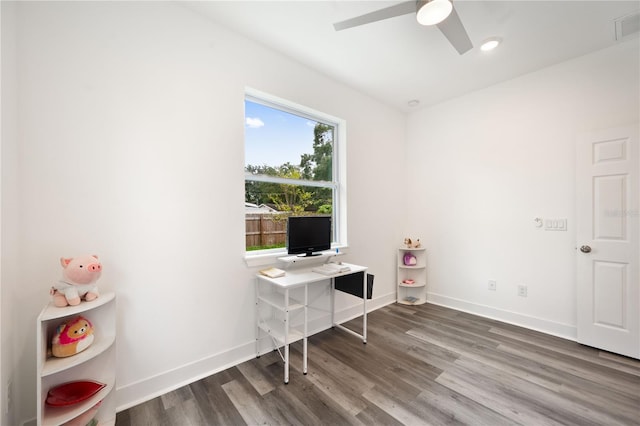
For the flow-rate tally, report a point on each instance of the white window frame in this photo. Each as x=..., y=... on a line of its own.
x=339, y=172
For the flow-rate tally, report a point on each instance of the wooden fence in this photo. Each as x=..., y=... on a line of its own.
x=265, y=230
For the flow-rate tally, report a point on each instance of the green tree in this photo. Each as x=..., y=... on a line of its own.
x=294, y=198
x=318, y=166
x=285, y=198
x=258, y=192
x=290, y=198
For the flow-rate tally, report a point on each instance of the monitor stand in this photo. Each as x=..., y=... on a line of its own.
x=310, y=254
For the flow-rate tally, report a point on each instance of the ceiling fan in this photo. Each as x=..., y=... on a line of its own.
x=428, y=12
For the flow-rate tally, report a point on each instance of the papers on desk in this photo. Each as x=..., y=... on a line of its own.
x=272, y=272
x=331, y=269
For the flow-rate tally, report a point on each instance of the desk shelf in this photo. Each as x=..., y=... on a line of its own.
x=277, y=324
x=276, y=300
x=276, y=329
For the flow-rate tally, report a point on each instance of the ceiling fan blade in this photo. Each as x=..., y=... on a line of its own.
x=454, y=31
x=379, y=15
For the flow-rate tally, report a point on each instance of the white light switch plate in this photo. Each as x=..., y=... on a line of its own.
x=555, y=224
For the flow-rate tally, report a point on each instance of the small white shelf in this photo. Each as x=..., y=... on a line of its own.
x=97, y=362
x=410, y=302
x=275, y=329
x=417, y=273
x=277, y=301
x=401, y=284
x=58, y=415
x=51, y=312
x=54, y=365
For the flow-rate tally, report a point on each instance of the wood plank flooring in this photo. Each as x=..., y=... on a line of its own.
x=422, y=365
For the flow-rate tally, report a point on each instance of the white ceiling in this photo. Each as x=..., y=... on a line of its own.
x=398, y=60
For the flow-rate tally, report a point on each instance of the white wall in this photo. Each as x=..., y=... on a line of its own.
x=8, y=211
x=130, y=127
x=486, y=164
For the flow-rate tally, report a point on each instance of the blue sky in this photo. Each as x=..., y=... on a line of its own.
x=274, y=137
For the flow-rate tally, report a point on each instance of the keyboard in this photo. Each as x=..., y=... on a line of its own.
x=331, y=269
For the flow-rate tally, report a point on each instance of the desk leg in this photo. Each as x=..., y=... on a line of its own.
x=257, y=318
x=332, y=300
x=306, y=331
x=364, y=307
x=286, y=364
x=286, y=337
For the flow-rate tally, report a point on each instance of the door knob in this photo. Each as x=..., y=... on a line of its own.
x=585, y=249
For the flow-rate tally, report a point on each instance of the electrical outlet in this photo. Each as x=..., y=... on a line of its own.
x=522, y=290
x=492, y=285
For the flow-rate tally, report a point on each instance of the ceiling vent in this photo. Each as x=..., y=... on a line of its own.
x=627, y=25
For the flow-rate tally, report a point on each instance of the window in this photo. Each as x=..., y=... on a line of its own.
x=292, y=167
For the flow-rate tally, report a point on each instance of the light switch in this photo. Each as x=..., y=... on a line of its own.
x=555, y=224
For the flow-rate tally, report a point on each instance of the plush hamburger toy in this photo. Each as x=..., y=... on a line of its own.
x=72, y=337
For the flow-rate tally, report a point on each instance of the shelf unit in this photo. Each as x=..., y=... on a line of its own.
x=276, y=322
x=97, y=362
x=415, y=293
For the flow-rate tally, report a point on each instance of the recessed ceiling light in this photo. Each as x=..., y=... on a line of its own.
x=413, y=103
x=490, y=44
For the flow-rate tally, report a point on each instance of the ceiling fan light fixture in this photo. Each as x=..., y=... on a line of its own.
x=432, y=12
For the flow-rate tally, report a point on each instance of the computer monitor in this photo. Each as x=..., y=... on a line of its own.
x=307, y=235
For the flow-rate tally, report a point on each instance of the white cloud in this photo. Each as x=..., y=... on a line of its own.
x=254, y=123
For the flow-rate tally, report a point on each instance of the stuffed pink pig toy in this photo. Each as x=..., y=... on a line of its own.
x=79, y=275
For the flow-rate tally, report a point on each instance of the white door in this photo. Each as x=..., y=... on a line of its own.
x=608, y=235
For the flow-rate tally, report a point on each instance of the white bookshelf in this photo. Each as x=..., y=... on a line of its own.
x=97, y=362
x=416, y=292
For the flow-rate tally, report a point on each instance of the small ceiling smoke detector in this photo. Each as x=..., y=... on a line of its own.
x=627, y=25
x=413, y=103
x=490, y=44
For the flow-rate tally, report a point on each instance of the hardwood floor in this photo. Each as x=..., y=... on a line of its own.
x=422, y=365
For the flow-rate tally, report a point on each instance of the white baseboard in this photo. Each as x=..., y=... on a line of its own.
x=136, y=393
x=144, y=390
x=564, y=331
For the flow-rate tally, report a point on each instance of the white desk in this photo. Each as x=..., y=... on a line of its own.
x=280, y=331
